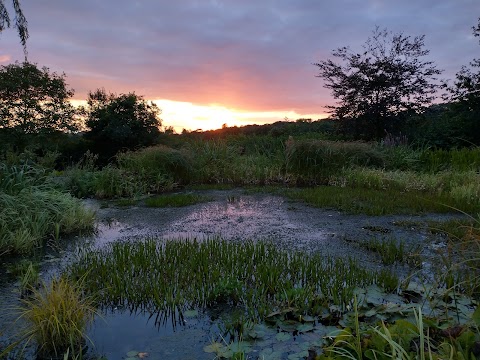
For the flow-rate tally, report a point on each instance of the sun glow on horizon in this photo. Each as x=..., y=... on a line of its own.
x=186, y=115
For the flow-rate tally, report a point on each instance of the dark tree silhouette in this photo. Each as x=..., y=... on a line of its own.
x=467, y=85
x=34, y=100
x=20, y=22
x=126, y=121
x=386, y=81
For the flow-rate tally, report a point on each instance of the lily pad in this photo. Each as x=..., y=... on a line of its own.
x=283, y=336
x=190, y=313
x=303, y=328
x=298, y=356
x=269, y=354
x=215, y=347
x=132, y=353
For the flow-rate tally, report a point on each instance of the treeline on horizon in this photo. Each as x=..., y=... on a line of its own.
x=387, y=95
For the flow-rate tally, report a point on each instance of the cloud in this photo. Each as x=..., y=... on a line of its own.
x=5, y=58
x=250, y=55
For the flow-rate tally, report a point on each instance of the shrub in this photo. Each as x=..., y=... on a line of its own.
x=318, y=159
x=158, y=166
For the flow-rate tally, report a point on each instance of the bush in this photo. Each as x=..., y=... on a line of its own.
x=31, y=210
x=318, y=159
x=158, y=166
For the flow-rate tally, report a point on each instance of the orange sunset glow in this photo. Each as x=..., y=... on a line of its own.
x=186, y=115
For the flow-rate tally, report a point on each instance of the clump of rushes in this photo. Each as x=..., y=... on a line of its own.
x=31, y=211
x=174, y=200
x=56, y=316
x=183, y=274
x=392, y=252
x=318, y=159
x=33, y=215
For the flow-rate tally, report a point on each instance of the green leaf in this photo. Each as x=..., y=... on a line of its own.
x=305, y=328
x=283, y=336
x=476, y=316
x=132, y=353
x=298, y=356
x=215, y=347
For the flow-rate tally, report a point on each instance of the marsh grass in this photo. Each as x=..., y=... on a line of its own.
x=392, y=251
x=461, y=261
x=184, y=274
x=56, y=316
x=158, y=166
x=30, y=214
x=374, y=202
x=175, y=200
x=317, y=160
x=461, y=189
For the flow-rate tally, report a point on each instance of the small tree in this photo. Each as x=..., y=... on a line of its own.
x=465, y=99
x=467, y=85
x=387, y=80
x=34, y=101
x=20, y=22
x=121, y=122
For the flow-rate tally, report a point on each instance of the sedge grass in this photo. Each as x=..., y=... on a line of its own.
x=377, y=202
x=34, y=214
x=56, y=316
x=392, y=251
x=183, y=274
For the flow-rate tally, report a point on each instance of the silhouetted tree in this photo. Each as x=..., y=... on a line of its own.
x=465, y=98
x=33, y=102
x=126, y=121
x=467, y=85
x=388, y=80
x=20, y=22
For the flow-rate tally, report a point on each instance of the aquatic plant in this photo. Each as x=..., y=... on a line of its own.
x=31, y=212
x=377, y=202
x=184, y=274
x=318, y=159
x=57, y=315
x=392, y=251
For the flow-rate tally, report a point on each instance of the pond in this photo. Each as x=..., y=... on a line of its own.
x=234, y=215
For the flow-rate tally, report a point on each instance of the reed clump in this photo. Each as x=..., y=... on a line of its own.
x=56, y=317
x=32, y=210
x=184, y=274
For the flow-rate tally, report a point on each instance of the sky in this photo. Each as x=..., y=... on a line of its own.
x=235, y=62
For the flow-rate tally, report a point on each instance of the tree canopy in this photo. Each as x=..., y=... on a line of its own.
x=20, y=22
x=466, y=89
x=126, y=121
x=385, y=81
x=34, y=100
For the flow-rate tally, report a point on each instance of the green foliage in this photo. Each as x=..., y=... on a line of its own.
x=120, y=122
x=31, y=211
x=379, y=202
x=184, y=274
x=317, y=160
x=57, y=316
x=158, y=166
x=33, y=100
